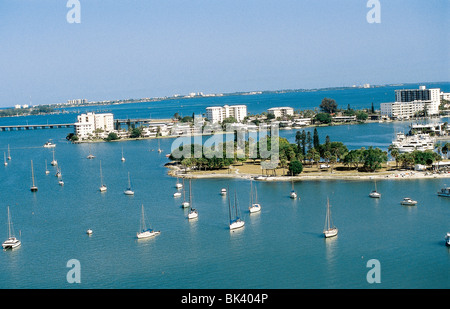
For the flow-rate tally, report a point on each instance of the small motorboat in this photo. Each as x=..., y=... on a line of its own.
x=223, y=191
x=49, y=145
x=447, y=239
x=89, y=232
x=408, y=202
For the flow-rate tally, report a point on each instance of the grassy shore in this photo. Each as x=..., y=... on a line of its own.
x=249, y=170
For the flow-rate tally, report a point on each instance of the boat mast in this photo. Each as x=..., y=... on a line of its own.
x=101, y=176
x=190, y=193
x=9, y=224
x=32, y=173
x=229, y=204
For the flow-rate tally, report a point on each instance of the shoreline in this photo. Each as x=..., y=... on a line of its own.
x=354, y=176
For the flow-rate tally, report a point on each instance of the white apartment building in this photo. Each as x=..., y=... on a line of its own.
x=281, y=111
x=87, y=123
x=217, y=114
x=410, y=101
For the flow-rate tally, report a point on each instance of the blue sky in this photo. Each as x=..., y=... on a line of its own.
x=145, y=48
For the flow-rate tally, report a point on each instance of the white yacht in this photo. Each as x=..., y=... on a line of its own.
x=236, y=222
x=408, y=202
x=293, y=195
x=254, y=206
x=144, y=231
x=444, y=192
x=103, y=188
x=128, y=191
x=89, y=232
x=54, y=162
x=12, y=242
x=409, y=143
x=123, y=158
x=178, y=185
x=329, y=230
x=447, y=239
x=375, y=193
x=193, y=213
x=33, y=188
x=49, y=145
x=223, y=191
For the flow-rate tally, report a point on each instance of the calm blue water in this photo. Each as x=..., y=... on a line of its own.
x=281, y=247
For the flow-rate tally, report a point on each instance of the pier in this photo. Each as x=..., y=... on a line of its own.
x=36, y=126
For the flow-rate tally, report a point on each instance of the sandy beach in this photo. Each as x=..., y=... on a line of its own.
x=253, y=171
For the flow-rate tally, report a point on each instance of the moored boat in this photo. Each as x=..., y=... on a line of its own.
x=444, y=192
x=408, y=202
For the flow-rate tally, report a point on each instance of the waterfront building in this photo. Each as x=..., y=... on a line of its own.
x=410, y=101
x=217, y=114
x=281, y=111
x=87, y=124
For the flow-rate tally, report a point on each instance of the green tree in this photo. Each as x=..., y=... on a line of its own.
x=328, y=106
x=362, y=116
x=136, y=132
x=316, y=141
x=295, y=167
x=112, y=136
x=373, y=158
x=323, y=118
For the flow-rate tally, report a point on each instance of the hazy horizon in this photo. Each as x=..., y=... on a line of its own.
x=146, y=49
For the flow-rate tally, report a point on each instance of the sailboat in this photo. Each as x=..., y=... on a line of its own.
x=159, y=148
x=178, y=185
x=128, y=191
x=293, y=195
x=12, y=242
x=329, y=230
x=375, y=193
x=254, y=207
x=193, y=213
x=123, y=158
x=46, y=169
x=54, y=162
x=33, y=188
x=185, y=203
x=6, y=163
x=9, y=154
x=102, y=186
x=60, y=181
x=90, y=155
x=144, y=231
x=236, y=222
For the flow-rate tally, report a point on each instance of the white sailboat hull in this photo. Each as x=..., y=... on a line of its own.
x=103, y=188
x=330, y=232
x=374, y=194
x=254, y=208
x=147, y=234
x=193, y=214
x=128, y=192
x=293, y=195
x=11, y=243
x=236, y=224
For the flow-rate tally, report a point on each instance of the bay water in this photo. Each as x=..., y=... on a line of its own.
x=280, y=247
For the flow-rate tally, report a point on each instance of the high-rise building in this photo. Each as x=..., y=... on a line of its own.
x=410, y=101
x=88, y=123
x=220, y=113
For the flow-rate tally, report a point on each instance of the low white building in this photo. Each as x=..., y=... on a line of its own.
x=281, y=111
x=88, y=123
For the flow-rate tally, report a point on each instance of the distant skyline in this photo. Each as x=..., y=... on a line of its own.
x=137, y=49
